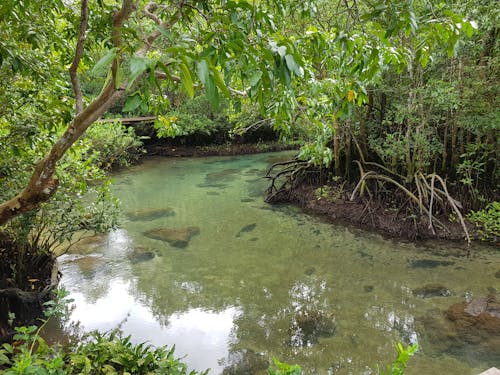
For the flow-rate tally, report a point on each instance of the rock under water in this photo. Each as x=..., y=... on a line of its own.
x=177, y=237
x=245, y=362
x=465, y=328
x=432, y=290
x=148, y=214
x=309, y=325
x=140, y=254
x=246, y=229
x=429, y=263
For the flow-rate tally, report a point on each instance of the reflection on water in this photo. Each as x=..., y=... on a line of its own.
x=258, y=281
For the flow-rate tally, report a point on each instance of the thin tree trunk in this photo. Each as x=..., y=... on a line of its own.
x=336, y=148
x=363, y=127
x=42, y=184
x=445, y=145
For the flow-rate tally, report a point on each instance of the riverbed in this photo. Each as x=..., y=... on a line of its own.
x=201, y=262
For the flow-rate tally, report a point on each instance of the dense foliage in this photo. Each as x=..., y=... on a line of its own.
x=408, y=85
x=96, y=354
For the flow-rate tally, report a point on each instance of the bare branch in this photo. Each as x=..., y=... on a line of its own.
x=84, y=15
x=148, y=12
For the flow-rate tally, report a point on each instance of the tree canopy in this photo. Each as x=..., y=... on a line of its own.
x=372, y=80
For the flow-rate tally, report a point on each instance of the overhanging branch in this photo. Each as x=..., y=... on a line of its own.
x=84, y=14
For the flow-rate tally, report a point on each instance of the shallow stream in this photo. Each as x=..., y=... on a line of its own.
x=239, y=281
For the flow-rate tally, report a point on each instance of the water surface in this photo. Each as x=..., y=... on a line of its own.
x=239, y=285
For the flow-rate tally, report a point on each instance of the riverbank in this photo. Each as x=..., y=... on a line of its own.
x=373, y=215
x=332, y=203
x=226, y=149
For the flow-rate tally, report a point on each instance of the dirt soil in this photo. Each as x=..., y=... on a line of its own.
x=373, y=215
x=217, y=150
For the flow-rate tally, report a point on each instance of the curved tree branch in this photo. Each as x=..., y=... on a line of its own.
x=42, y=184
x=84, y=16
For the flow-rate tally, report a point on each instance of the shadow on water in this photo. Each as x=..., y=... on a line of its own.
x=203, y=263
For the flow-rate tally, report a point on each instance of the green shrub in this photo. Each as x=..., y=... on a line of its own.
x=284, y=369
x=97, y=354
x=399, y=365
x=488, y=221
x=113, y=145
x=195, y=116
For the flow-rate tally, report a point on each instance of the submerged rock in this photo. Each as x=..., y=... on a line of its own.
x=140, y=254
x=225, y=175
x=309, y=271
x=467, y=327
x=430, y=263
x=245, y=362
x=148, y=214
x=432, y=290
x=87, y=264
x=480, y=305
x=212, y=185
x=367, y=256
x=246, y=229
x=309, y=325
x=497, y=274
x=89, y=245
x=177, y=237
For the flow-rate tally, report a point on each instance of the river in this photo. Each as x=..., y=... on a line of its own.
x=239, y=281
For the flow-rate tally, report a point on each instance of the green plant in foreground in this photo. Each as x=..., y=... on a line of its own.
x=284, y=369
x=399, y=365
x=96, y=354
x=488, y=219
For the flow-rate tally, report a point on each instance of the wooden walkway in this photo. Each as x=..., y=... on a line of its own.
x=129, y=120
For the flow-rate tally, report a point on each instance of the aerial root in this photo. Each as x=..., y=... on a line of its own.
x=430, y=190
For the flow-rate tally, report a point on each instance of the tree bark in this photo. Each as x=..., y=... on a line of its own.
x=43, y=185
x=84, y=15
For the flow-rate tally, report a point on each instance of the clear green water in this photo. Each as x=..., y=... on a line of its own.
x=230, y=290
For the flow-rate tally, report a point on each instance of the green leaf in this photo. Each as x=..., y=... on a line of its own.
x=137, y=66
x=293, y=66
x=203, y=71
x=132, y=103
x=187, y=81
x=212, y=92
x=4, y=359
x=219, y=81
x=255, y=78
x=104, y=61
x=281, y=51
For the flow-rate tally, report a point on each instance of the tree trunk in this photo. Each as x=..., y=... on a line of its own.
x=43, y=183
x=445, y=146
x=336, y=148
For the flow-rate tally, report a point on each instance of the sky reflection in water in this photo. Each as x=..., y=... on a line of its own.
x=241, y=285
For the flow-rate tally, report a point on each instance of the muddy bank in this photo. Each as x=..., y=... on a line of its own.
x=375, y=215
x=229, y=149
